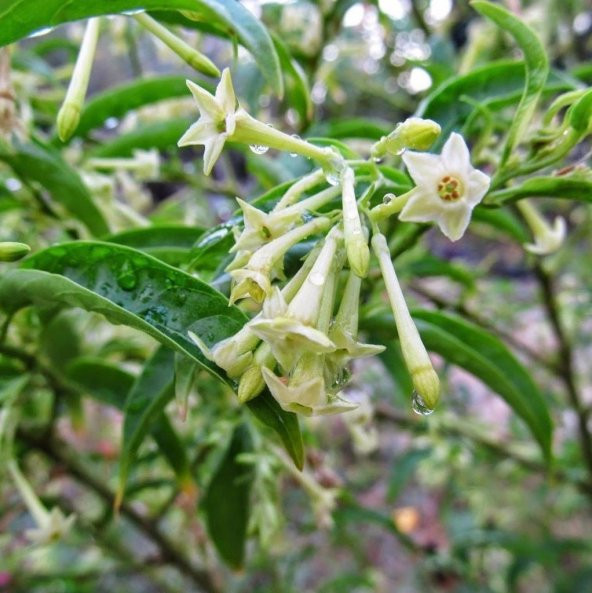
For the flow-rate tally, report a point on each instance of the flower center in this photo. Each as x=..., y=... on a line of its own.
x=450, y=188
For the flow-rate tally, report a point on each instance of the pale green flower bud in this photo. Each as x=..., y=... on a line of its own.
x=187, y=53
x=414, y=133
x=356, y=245
x=69, y=113
x=11, y=251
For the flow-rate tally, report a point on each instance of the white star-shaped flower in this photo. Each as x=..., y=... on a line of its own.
x=217, y=119
x=447, y=187
x=55, y=526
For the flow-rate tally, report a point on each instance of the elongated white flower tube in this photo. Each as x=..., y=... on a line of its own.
x=292, y=333
x=424, y=377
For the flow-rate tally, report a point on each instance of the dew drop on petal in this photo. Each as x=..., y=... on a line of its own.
x=419, y=406
x=258, y=148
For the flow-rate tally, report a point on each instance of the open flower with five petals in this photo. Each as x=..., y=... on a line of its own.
x=217, y=119
x=447, y=187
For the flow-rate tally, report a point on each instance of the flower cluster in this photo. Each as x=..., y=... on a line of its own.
x=305, y=335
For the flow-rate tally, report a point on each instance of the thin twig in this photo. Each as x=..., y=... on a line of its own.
x=566, y=374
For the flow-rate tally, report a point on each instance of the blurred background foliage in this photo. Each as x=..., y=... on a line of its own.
x=458, y=502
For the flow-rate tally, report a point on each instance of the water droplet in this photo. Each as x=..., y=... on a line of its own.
x=296, y=137
x=388, y=198
x=341, y=379
x=258, y=148
x=419, y=406
x=127, y=277
x=377, y=159
x=401, y=151
x=334, y=169
x=317, y=279
x=352, y=215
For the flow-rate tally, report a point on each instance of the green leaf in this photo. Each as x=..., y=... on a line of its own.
x=285, y=424
x=146, y=400
x=430, y=265
x=119, y=100
x=356, y=127
x=536, y=62
x=110, y=385
x=568, y=188
x=34, y=162
x=297, y=87
x=485, y=356
x=501, y=220
x=184, y=373
x=19, y=19
x=494, y=86
x=162, y=135
x=226, y=503
x=170, y=243
x=127, y=287
x=580, y=115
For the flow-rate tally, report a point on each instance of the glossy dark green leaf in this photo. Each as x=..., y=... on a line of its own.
x=146, y=400
x=162, y=135
x=226, y=503
x=19, y=19
x=111, y=385
x=285, y=424
x=536, y=63
x=565, y=187
x=119, y=100
x=170, y=243
x=127, y=287
x=35, y=163
x=485, y=356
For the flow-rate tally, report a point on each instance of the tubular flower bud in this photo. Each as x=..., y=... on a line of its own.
x=220, y=120
x=11, y=251
x=358, y=254
x=547, y=238
x=344, y=331
x=187, y=53
x=293, y=332
x=447, y=187
x=266, y=263
x=424, y=377
x=69, y=113
x=414, y=133
x=50, y=525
